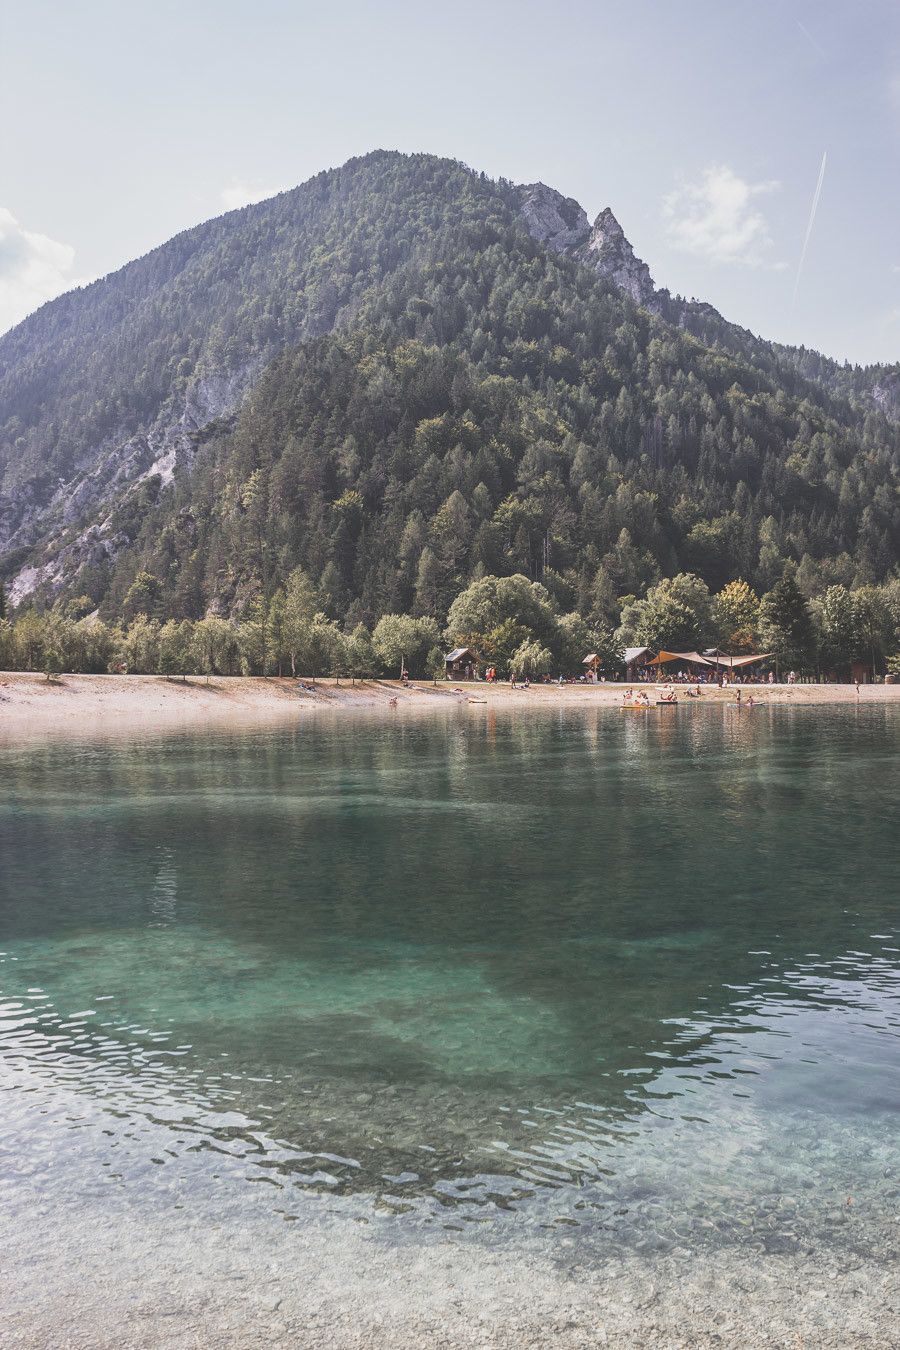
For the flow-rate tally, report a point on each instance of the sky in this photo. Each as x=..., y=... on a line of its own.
x=709, y=127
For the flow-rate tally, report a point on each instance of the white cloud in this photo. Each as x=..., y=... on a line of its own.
x=33, y=268
x=716, y=218
x=239, y=194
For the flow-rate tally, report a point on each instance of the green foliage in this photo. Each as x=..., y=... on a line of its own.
x=435, y=663
x=8, y=652
x=736, y=617
x=30, y=639
x=675, y=615
x=847, y=625
x=578, y=638
x=211, y=646
x=176, y=648
x=361, y=659
x=143, y=595
x=52, y=662
x=499, y=646
x=140, y=646
x=531, y=660
x=401, y=641
x=490, y=602
x=323, y=651
x=253, y=636
x=842, y=627
x=786, y=626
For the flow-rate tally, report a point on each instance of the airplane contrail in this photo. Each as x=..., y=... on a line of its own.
x=807, y=34
x=809, y=225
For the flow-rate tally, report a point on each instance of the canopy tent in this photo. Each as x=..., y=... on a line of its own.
x=713, y=659
x=736, y=662
x=694, y=657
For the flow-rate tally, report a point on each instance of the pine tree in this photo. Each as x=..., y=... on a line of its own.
x=786, y=626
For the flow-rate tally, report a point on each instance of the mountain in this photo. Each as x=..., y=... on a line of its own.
x=402, y=374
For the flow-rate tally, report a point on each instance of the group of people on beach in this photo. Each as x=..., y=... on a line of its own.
x=630, y=699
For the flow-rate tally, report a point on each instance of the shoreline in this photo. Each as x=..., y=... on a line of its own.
x=111, y=704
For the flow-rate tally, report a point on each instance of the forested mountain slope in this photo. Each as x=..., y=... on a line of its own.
x=103, y=383
x=401, y=376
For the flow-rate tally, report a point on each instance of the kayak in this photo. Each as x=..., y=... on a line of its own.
x=667, y=703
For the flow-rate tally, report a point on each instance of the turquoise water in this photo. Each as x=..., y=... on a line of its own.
x=625, y=979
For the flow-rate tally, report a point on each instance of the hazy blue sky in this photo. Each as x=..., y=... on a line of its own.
x=702, y=123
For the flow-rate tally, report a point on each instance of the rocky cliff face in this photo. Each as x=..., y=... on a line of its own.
x=552, y=219
x=561, y=224
x=108, y=476
x=611, y=255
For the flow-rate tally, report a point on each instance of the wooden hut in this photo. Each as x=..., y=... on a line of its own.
x=460, y=664
x=635, y=658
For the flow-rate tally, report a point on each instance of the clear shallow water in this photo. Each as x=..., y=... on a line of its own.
x=623, y=980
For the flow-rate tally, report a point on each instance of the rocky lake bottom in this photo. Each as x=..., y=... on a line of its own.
x=473, y=1030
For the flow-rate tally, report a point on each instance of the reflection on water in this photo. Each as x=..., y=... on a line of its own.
x=636, y=979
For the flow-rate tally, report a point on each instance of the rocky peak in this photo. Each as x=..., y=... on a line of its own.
x=552, y=219
x=611, y=255
x=561, y=224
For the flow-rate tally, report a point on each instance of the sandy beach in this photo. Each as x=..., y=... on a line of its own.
x=109, y=704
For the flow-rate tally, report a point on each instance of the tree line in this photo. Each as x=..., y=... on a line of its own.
x=510, y=622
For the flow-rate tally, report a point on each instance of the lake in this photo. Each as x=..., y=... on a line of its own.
x=595, y=981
